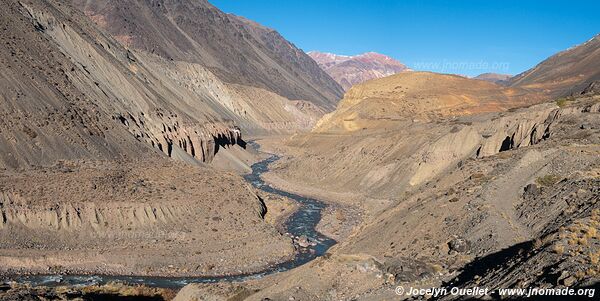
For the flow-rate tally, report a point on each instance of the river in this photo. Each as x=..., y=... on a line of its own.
x=301, y=222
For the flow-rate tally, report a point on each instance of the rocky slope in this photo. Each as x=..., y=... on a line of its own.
x=463, y=183
x=236, y=50
x=524, y=217
x=456, y=177
x=521, y=214
x=89, y=83
x=351, y=70
x=87, y=134
x=565, y=73
x=140, y=218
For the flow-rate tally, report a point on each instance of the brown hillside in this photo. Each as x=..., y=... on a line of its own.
x=565, y=73
x=420, y=96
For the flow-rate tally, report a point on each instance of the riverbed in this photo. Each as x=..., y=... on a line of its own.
x=302, y=222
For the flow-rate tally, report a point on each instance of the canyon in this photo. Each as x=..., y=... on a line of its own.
x=126, y=147
x=148, y=145
x=463, y=183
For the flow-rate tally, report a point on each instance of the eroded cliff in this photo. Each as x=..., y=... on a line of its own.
x=88, y=133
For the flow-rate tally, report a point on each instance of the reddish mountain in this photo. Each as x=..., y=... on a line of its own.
x=352, y=70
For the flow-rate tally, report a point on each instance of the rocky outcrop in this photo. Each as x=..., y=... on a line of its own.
x=123, y=81
x=516, y=130
x=91, y=217
x=201, y=142
x=508, y=131
x=592, y=89
x=83, y=207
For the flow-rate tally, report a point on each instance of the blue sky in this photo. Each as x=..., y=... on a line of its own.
x=462, y=37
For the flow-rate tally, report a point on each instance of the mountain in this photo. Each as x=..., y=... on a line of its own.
x=565, y=73
x=457, y=178
x=493, y=77
x=352, y=70
x=422, y=96
x=236, y=50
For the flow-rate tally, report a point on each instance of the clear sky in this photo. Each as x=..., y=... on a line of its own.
x=462, y=37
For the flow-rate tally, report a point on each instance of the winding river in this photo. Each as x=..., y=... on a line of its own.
x=301, y=222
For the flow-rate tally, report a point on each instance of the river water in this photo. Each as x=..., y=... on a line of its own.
x=302, y=222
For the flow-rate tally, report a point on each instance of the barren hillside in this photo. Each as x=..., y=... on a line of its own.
x=121, y=123
x=455, y=176
x=419, y=96
x=524, y=214
x=565, y=73
x=236, y=50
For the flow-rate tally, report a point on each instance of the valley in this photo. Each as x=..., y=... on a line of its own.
x=167, y=150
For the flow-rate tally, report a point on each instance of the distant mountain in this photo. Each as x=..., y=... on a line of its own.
x=565, y=73
x=493, y=77
x=352, y=70
x=237, y=50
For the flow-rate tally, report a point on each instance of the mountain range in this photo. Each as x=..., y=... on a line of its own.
x=122, y=114
x=462, y=182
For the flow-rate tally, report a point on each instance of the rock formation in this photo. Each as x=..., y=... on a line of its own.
x=451, y=201
x=420, y=96
x=111, y=111
x=463, y=183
